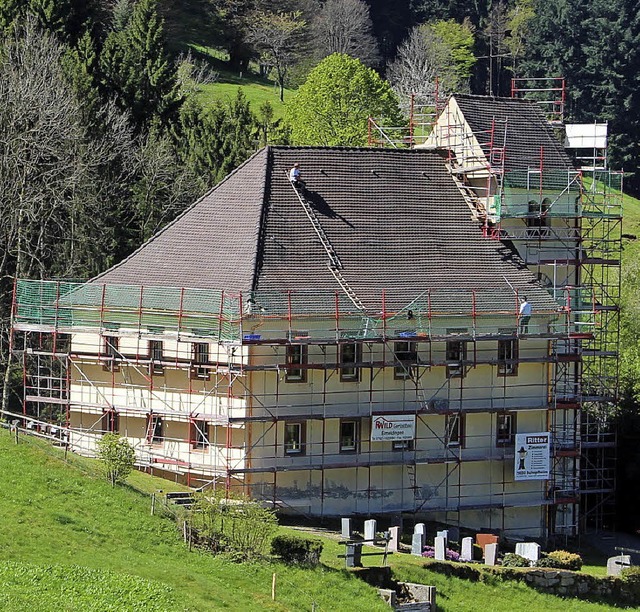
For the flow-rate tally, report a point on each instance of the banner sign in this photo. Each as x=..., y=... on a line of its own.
x=385, y=428
x=532, y=458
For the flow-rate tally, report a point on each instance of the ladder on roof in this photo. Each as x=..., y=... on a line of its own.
x=468, y=193
x=334, y=265
x=331, y=252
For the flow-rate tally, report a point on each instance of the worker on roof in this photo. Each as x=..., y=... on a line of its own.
x=294, y=176
x=525, y=315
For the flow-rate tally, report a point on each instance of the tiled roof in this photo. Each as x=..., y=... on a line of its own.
x=527, y=131
x=395, y=218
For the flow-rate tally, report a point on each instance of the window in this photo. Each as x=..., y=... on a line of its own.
x=154, y=429
x=506, y=429
x=111, y=352
x=406, y=353
x=110, y=422
x=294, y=438
x=199, y=434
x=156, y=357
x=350, y=355
x=349, y=436
x=456, y=355
x=296, y=356
x=402, y=445
x=200, y=359
x=508, y=356
x=454, y=430
x=537, y=219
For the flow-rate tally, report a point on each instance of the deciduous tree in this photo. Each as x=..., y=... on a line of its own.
x=117, y=456
x=333, y=106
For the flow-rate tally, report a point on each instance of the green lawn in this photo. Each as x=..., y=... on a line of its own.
x=71, y=542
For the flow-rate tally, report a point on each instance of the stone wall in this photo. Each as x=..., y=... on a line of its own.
x=562, y=583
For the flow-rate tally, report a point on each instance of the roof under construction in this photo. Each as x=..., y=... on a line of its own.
x=394, y=218
x=529, y=139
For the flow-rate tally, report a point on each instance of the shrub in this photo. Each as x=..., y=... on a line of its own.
x=232, y=524
x=296, y=550
x=513, y=560
x=450, y=555
x=117, y=456
x=561, y=559
x=631, y=577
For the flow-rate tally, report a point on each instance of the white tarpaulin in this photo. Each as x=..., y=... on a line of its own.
x=390, y=427
x=532, y=458
x=586, y=135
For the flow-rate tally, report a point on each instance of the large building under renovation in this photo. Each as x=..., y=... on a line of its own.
x=355, y=346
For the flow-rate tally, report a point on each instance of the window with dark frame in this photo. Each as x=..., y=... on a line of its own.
x=402, y=445
x=156, y=357
x=350, y=355
x=406, y=357
x=110, y=422
x=456, y=355
x=296, y=356
x=454, y=430
x=200, y=360
x=155, y=432
x=506, y=429
x=111, y=353
x=349, y=431
x=537, y=219
x=294, y=438
x=199, y=434
x=508, y=356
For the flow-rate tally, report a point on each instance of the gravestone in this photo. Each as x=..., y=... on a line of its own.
x=466, y=552
x=420, y=528
x=490, y=554
x=454, y=534
x=444, y=534
x=440, y=544
x=346, y=528
x=615, y=565
x=417, y=544
x=353, y=556
x=482, y=539
x=394, y=540
x=370, y=529
x=528, y=550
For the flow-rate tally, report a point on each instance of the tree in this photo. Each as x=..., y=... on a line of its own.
x=117, y=456
x=278, y=37
x=333, y=106
x=442, y=50
x=519, y=21
x=344, y=26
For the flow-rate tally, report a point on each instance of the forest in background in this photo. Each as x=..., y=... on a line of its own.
x=104, y=138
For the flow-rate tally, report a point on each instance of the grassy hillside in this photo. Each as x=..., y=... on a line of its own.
x=71, y=542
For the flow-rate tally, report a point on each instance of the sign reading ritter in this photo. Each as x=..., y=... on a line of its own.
x=391, y=427
x=532, y=457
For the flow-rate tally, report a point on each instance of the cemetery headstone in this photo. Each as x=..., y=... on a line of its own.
x=528, y=550
x=490, y=553
x=420, y=528
x=444, y=534
x=466, y=551
x=615, y=565
x=482, y=539
x=346, y=528
x=395, y=539
x=370, y=529
x=454, y=534
x=440, y=545
x=417, y=544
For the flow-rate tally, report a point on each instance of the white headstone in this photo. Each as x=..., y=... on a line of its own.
x=466, y=552
x=444, y=534
x=615, y=565
x=370, y=529
x=420, y=528
x=440, y=544
x=490, y=554
x=528, y=550
x=395, y=539
x=417, y=544
x=346, y=528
